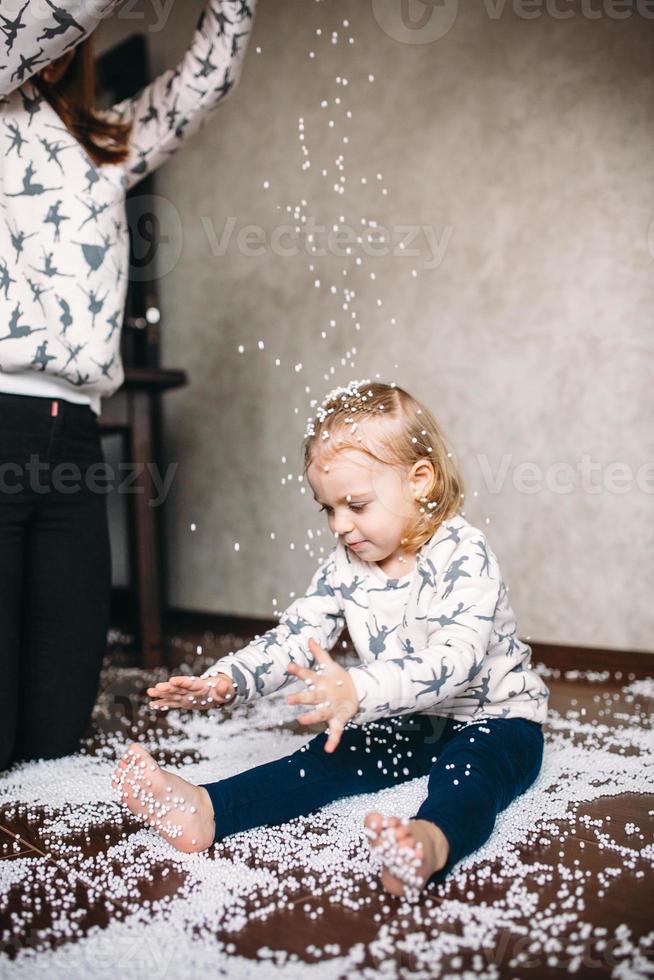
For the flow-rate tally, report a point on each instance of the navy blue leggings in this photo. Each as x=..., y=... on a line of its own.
x=475, y=770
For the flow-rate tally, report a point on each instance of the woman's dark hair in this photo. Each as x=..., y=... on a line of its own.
x=73, y=99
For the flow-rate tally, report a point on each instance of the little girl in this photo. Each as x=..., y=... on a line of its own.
x=444, y=687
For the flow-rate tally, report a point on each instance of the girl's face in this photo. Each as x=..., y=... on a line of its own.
x=368, y=503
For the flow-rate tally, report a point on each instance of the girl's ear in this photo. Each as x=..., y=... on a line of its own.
x=421, y=477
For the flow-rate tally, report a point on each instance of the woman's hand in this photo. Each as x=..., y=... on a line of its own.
x=330, y=689
x=192, y=693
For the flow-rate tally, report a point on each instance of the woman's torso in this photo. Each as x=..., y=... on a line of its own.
x=64, y=253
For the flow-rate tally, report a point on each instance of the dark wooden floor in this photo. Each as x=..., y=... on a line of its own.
x=623, y=906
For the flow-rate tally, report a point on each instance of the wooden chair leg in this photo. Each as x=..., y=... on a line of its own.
x=148, y=578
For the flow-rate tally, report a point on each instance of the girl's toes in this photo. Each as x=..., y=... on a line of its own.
x=373, y=824
x=403, y=835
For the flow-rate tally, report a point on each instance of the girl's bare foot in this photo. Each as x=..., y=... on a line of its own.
x=411, y=851
x=181, y=812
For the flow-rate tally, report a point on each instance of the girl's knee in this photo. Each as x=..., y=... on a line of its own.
x=500, y=757
x=528, y=754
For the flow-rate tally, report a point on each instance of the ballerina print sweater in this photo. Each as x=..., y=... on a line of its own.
x=441, y=640
x=64, y=244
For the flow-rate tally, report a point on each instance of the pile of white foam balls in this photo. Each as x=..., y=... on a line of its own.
x=305, y=867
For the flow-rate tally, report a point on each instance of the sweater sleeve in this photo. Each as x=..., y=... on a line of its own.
x=35, y=33
x=176, y=104
x=261, y=667
x=460, y=622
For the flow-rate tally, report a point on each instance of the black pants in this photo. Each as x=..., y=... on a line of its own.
x=55, y=576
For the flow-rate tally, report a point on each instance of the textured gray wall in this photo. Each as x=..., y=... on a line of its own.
x=526, y=146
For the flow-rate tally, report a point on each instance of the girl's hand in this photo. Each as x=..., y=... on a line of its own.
x=331, y=690
x=192, y=693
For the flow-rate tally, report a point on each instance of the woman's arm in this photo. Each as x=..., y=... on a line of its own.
x=262, y=666
x=460, y=623
x=35, y=32
x=177, y=103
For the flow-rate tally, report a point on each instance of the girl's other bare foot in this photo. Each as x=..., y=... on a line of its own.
x=411, y=851
x=181, y=812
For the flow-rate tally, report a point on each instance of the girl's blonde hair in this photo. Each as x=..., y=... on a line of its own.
x=390, y=425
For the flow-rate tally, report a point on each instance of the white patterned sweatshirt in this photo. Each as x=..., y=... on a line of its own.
x=441, y=640
x=64, y=246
